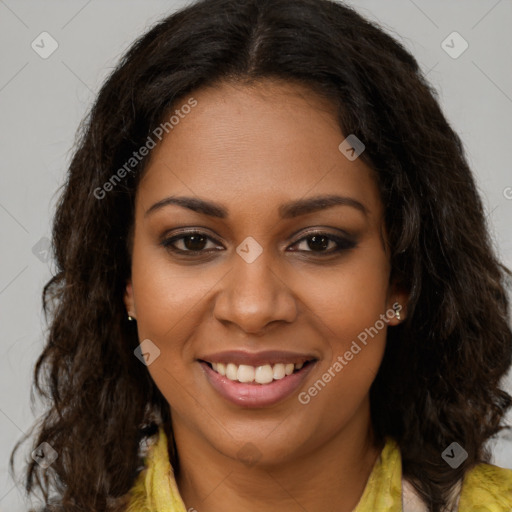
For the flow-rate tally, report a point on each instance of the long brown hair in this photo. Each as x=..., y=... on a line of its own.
x=439, y=380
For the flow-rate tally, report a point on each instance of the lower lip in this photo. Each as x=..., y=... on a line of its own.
x=256, y=395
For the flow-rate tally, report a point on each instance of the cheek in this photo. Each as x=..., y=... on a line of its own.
x=166, y=302
x=350, y=311
x=351, y=297
x=165, y=294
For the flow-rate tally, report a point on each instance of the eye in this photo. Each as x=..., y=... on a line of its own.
x=194, y=243
x=318, y=242
x=191, y=242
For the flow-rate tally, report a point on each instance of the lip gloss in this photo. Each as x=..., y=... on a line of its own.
x=253, y=394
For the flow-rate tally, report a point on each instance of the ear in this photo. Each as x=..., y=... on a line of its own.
x=397, y=303
x=128, y=299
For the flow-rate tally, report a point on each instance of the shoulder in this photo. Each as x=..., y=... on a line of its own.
x=487, y=488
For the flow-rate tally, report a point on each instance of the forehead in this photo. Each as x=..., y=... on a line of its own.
x=256, y=145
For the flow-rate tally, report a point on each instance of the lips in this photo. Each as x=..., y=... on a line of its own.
x=239, y=357
x=256, y=379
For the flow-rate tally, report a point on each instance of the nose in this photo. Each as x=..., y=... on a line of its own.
x=253, y=296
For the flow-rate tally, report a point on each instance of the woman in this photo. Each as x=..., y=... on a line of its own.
x=275, y=288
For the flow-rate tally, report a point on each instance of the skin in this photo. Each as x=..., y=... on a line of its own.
x=251, y=149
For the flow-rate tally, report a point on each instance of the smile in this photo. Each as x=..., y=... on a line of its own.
x=271, y=378
x=264, y=374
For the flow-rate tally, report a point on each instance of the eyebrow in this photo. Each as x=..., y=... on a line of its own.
x=286, y=211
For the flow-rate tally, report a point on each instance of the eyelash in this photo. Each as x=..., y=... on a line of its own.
x=343, y=243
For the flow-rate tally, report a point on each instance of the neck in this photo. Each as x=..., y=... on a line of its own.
x=311, y=479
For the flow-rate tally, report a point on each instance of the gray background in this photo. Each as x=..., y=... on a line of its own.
x=43, y=100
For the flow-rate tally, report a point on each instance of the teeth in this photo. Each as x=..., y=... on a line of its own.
x=279, y=371
x=231, y=371
x=245, y=373
x=261, y=375
x=264, y=374
x=288, y=369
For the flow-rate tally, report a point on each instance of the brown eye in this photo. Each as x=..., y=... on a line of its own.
x=192, y=242
x=320, y=242
x=195, y=243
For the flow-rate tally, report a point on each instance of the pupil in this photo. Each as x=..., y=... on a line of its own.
x=315, y=243
x=197, y=242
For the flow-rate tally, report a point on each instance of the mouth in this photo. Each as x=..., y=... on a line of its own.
x=262, y=384
x=262, y=374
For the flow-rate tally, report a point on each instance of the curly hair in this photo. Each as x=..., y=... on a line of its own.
x=439, y=380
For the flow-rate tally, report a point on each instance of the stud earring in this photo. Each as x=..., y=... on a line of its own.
x=397, y=309
x=130, y=318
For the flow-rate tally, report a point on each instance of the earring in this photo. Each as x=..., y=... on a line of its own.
x=397, y=311
x=130, y=318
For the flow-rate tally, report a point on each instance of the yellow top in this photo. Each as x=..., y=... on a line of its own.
x=486, y=488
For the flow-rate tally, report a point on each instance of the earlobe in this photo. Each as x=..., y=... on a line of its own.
x=397, y=308
x=400, y=309
x=128, y=300
x=398, y=305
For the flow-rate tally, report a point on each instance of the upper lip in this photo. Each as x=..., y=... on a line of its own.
x=239, y=357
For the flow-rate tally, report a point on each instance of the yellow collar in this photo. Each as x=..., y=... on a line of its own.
x=485, y=486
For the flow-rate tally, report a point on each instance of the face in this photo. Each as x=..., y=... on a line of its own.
x=266, y=311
